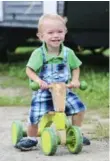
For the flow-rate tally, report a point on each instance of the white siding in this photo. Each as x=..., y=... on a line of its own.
x=26, y=13
x=1, y=10
x=50, y=7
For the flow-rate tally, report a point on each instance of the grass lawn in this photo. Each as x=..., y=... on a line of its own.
x=95, y=96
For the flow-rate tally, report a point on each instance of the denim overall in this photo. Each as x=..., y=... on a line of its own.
x=42, y=99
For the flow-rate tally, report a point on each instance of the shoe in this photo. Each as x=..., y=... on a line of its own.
x=26, y=144
x=86, y=141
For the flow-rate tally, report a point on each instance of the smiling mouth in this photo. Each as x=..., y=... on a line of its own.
x=55, y=40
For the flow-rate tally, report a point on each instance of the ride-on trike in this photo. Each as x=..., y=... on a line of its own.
x=61, y=131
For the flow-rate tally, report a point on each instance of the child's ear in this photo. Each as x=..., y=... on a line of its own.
x=66, y=31
x=39, y=35
x=65, y=19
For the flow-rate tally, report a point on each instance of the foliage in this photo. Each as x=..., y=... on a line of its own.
x=24, y=50
x=101, y=131
x=97, y=93
x=106, y=52
x=14, y=70
x=14, y=101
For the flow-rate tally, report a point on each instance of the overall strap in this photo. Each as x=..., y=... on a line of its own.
x=65, y=55
x=64, y=59
x=43, y=54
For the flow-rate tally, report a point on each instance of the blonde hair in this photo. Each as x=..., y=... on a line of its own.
x=51, y=17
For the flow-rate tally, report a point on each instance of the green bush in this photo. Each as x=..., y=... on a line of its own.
x=24, y=50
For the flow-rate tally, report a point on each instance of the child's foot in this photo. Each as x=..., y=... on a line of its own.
x=26, y=144
x=86, y=141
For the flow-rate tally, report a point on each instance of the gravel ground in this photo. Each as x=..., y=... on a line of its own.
x=97, y=151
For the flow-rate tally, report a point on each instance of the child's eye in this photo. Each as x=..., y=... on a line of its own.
x=60, y=31
x=50, y=32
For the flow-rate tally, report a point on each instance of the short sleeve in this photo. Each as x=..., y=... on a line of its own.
x=73, y=60
x=36, y=60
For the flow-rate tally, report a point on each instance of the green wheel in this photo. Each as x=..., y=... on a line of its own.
x=74, y=140
x=67, y=122
x=49, y=141
x=17, y=132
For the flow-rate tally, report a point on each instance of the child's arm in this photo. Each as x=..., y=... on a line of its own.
x=75, y=83
x=33, y=76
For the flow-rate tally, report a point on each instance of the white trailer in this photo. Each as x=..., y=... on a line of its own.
x=26, y=13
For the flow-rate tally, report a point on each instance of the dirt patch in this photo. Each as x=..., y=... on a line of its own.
x=97, y=151
x=10, y=92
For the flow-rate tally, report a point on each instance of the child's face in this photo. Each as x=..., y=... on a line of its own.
x=53, y=33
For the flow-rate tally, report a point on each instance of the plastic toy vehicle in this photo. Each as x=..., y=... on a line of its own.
x=54, y=127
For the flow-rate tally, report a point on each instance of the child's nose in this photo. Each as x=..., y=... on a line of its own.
x=56, y=34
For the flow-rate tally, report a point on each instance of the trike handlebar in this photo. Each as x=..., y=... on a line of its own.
x=35, y=86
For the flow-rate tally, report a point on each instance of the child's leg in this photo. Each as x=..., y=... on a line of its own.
x=31, y=140
x=32, y=130
x=38, y=109
x=77, y=109
x=77, y=119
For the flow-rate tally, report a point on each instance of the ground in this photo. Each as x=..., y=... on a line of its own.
x=95, y=123
x=97, y=151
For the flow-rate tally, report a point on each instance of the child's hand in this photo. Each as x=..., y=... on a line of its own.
x=74, y=84
x=43, y=84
